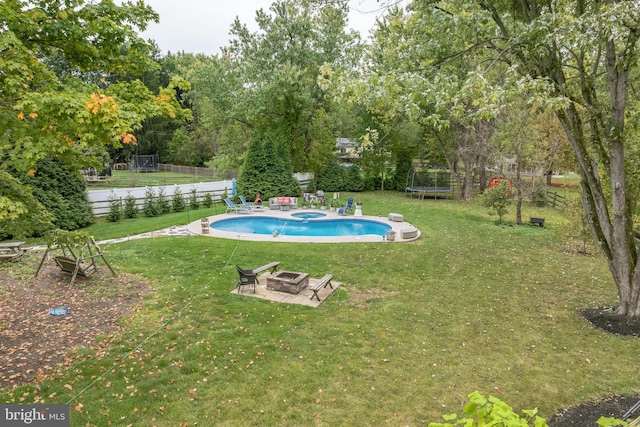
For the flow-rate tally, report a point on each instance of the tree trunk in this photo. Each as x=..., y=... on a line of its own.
x=468, y=179
x=612, y=232
x=482, y=174
x=519, y=185
x=593, y=122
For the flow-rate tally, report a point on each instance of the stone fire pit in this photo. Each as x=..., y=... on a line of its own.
x=291, y=282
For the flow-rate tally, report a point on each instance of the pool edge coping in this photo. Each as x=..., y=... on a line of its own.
x=397, y=226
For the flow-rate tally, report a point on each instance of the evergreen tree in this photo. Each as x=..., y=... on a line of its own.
x=193, y=200
x=30, y=219
x=130, y=207
x=353, y=179
x=331, y=178
x=62, y=192
x=177, y=201
x=115, y=208
x=267, y=170
x=150, y=207
x=207, y=200
x=162, y=203
x=404, y=166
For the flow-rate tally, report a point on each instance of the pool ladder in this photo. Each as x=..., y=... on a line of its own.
x=283, y=227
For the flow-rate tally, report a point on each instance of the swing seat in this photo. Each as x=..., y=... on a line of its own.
x=76, y=267
x=77, y=260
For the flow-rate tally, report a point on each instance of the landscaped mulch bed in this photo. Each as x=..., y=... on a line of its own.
x=33, y=343
x=587, y=414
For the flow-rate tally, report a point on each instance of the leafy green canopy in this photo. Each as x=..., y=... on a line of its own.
x=275, y=72
x=70, y=116
x=456, y=63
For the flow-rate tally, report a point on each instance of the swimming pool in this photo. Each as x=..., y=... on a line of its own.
x=308, y=215
x=301, y=226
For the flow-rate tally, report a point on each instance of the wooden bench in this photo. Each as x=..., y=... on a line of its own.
x=537, y=221
x=326, y=280
x=271, y=265
x=11, y=250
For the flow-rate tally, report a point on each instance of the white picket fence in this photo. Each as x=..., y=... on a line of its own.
x=100, y=199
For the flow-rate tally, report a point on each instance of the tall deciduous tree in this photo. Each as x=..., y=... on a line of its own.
x=577, y=58
x=217, y=135
x=279, y=66
x=414, y=70
x=67, y=115
x=587, y=51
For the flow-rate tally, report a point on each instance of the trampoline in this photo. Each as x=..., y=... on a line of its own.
x=433, y=182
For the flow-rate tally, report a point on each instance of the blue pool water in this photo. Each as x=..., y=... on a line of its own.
x=308, y=215
x=301, y=227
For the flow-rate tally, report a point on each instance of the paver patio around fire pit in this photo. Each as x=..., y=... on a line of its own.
x=302, y=298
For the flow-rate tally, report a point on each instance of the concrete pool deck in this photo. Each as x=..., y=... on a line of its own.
x=402, y=228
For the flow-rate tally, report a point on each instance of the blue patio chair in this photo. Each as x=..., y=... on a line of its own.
x=343, y=210
x=232, y=207
x=245, y=204
x=349, y=206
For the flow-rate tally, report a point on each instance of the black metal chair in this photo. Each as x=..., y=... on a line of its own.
x=247, y=278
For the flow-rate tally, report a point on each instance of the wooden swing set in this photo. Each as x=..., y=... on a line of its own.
x=79, y=254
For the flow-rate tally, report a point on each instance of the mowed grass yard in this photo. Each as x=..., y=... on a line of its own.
x=415, y=328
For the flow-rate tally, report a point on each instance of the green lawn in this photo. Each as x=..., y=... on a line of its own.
x=126, y=179
x=415, y=329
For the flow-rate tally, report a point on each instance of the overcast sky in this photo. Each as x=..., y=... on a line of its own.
x=202, y=26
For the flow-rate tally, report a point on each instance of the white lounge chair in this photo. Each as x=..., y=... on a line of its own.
x=247, y=205
x=232, y=207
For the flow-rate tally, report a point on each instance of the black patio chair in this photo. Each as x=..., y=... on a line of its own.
x=247, y=278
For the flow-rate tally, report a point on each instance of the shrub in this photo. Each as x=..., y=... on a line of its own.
x=162, y=203
x=130, y=207
x=177, y=201
x=193, y=200
x=115, y=208
x=497, y=199
x=577, y=229
x=539, y=196
x=491, y=412
x=150, y=207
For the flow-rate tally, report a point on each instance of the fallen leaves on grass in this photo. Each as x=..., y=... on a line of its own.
x=35, y=344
